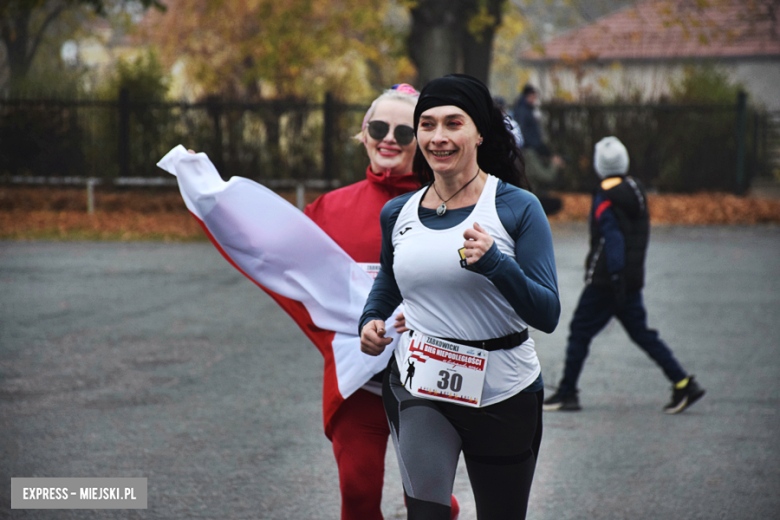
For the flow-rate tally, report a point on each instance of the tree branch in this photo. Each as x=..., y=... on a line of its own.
x=39, y=36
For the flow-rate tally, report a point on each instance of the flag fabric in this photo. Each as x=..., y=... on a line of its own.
x=288, y=256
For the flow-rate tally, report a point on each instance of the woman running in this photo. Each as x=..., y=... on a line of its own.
x=471, y=257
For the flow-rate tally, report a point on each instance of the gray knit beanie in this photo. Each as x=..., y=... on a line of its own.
x=610, y=158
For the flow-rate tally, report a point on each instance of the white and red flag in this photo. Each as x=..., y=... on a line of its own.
x=288, y=256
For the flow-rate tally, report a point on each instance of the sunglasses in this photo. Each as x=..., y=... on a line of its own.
x=404, y=134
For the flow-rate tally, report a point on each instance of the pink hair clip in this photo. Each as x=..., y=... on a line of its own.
x=406, y=88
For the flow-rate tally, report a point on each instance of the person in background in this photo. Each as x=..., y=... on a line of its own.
x=541, y=165
x=471, y=256
x=350, y=216
x=614, y=278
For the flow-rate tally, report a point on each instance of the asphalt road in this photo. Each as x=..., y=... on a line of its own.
x=161, y=361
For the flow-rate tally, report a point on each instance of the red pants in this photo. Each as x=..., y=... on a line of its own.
x=360, y=432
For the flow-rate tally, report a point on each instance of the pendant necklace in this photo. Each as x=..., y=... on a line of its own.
x=441, y=210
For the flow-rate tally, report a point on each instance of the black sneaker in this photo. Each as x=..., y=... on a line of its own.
x=562, y=403
x=684, y=397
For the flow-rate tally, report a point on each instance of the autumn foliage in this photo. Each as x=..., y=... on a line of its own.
x=693, y=209
x=252, y=49
x=60, y=214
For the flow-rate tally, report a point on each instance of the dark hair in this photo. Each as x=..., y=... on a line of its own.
x=498, y=155
x=528, y=89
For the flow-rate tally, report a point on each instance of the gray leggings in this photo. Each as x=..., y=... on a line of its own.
x=499, y=442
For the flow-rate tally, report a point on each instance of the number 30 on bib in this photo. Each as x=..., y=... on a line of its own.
x=444, y=371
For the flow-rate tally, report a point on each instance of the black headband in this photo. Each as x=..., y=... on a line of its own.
x=460, y=90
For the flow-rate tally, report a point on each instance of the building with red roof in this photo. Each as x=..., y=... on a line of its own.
x=641, y=49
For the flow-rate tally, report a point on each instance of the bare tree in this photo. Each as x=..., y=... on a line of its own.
x=24, y=23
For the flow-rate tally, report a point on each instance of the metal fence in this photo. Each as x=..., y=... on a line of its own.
x=677, y=148
x=265, y=141
x=672, y=147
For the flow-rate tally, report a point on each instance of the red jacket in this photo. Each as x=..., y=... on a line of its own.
x=350, y=215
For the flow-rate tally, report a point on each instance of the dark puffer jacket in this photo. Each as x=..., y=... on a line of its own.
x=628, y=203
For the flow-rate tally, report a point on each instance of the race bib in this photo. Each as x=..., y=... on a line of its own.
x=437, y=369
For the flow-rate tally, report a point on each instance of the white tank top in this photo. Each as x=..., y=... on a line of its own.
x=443, y=299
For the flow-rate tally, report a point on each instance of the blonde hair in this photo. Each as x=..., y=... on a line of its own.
x=390, y=94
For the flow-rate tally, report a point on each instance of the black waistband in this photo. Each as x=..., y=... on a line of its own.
x=504, y=343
